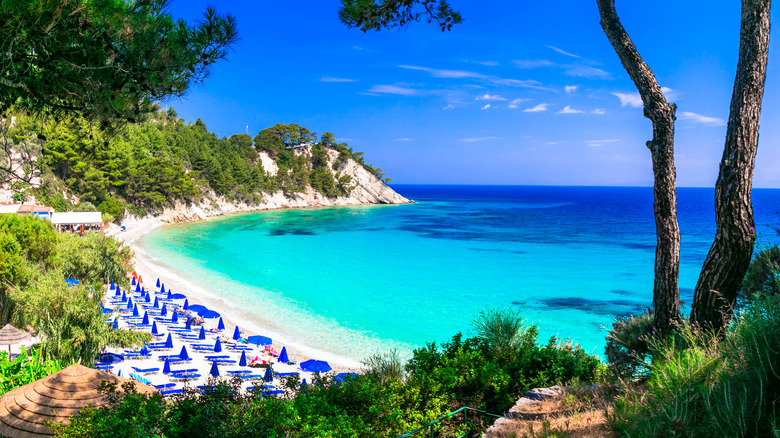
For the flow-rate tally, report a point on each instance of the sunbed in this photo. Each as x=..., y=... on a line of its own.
x=145, y=370
x=171, y=392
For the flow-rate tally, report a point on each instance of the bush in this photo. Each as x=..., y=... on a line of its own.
x=113, y=207
x=628, y=348
x=762, y=275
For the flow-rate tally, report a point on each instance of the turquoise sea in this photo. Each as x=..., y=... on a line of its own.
x=356, y=280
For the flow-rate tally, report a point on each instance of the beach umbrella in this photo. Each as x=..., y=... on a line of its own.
x=259, y=340
x=124, y=296
x=315, y=366
x=115, y=325
x=135, y=311
x=197, y=308
x=186, y=304
x=174, y=317
x=119, y=373
x=140, y=279
x=221, y=324
x=304, y=384
x=72, y=281
x=218, y=346
x=133, y=283
x=10, y=335
x=158, y=282
x=269, y=374
x=167, y=366
x=156, y=303
x=148, y=297
x=210, y=314
x=129, y=303
x=154, y=328
x=144, y=351
x=169, y=341
x=111, y=358
x=138, y=288
x=56, y=397
x=202, y=334
x=236, y=334
x=183, y=354
x=162, y=288
x=146, y=318
x=214, y=369
x=118, y=293
x=164, y=311
x=112, y=286
x=173, y=296
x=340, y=377
x=188, y=325
x=283, y=356
x=242, y=361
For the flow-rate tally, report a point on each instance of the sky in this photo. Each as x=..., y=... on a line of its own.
x=520, y=92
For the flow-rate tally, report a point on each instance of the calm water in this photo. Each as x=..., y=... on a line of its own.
x=355, y=280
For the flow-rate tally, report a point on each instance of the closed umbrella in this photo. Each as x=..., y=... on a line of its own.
x=144, y=351
x=124, y=296
x=158, y=282
x=167, y=366
x=133, y=283
x=242, y=361
x=148, y=297
x=115, y=325
x=135, y=311
x=236, y=334
x=174, y=317
x=113, y=286
x=140, y=279
x=283, y=356
x=162, y=288
x=156, y=303
x=218, y=346
x=214, y=369
x=169, y=341
x=117, y=292
x=138, y=288
x=164, y=311
x=154, y=328
x=183, y=354
x=202, y=334
x=129, y=303
x=269, y=374
x=169, y=292
x=146, y=318
x=315, y=366
x=221, y=324
x=188, y=325
x=186, y=304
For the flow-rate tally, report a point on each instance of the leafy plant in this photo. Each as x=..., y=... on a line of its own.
x=25, y=368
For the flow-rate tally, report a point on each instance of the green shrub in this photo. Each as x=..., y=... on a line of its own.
x=25, y=368
x=628, y=348
x=762, y=275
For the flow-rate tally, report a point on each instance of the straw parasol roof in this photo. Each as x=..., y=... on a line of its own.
x=10, y=335
x=24, y=410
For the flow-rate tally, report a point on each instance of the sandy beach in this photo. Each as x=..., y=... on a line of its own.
x=151, y=269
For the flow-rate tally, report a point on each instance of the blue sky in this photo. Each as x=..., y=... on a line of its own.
x=519, y=93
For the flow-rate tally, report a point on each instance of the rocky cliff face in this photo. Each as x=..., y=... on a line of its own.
x=366, y=189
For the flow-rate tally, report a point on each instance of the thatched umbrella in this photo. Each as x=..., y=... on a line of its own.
x=10, y=335
x=24, y=410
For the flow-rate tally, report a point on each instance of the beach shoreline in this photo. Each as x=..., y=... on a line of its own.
x=150, y=269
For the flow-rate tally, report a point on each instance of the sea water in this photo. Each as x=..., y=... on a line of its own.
x=359, y=280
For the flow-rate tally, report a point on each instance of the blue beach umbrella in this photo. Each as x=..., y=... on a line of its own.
x=315, y=366
x=72, y=281
x=340, y=377
x=242, y=361
x=188, y=325
x=236, y=334
x=156, y=303
x=174, y=317
x=154, y=328
x=117, y=293
x=124, y=296
x=129, y=303
x=202, y=334
x=119, y=373
x=283, y=356
x=144, y=351
x=269, y=374
x=158, y=282
x=167, y=366
x=115, y=325
x=135, y=311
x=259, y=340
x=146, y=318
x=133, y=282
x=183, y=354
x=210, y=314
x=164, y=311
x=218, y=346
x=148, y=297
x=304, y=384
x=112, y=286
x=169, y=341
x=173, y=296
x=214, y=369
x=138, y=288
x=197, y=308
x=221, y=324
x=186, y=304
x=162, y=289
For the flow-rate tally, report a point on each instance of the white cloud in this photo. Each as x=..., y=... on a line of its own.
x=704, y=120
x=556, y=142
x=330, y=79
x=563, y=52
x=487, y=106
x=586, y=71
x=598, y=143
x=465, y=74
x=569, y=110
x=570, y=88
x=629, y=99
x=490, y=97
x=393, y=89
x=537, y=108
x=471, y=140
x=404, y=139
x=532, y=63
x=513, y=104
x=598, y=111
x=448, y=107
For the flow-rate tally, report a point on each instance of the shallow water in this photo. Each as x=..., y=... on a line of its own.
x=354, y=280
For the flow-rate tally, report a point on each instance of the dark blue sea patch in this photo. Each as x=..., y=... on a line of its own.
x=621, y=292
x=596, y=307
x=277, y=232
x=300, y=232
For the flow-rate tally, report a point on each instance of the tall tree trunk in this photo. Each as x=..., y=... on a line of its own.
x=729, y=256
x=666, y=294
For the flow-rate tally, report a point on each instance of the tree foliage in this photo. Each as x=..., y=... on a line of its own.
x=103, y=60
x=386, y=14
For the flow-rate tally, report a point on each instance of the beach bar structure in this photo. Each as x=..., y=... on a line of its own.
x=79, y=222
x=40, y=211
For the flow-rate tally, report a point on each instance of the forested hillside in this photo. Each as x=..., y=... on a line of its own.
x=148, y=166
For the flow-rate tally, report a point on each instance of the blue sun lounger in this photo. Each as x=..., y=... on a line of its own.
x=224, y=356
x=165, y=385
x=240, y=372
x=294, y=373
x=184, y=376
x=224, y=361
x=145, y=370
x=171, y=392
